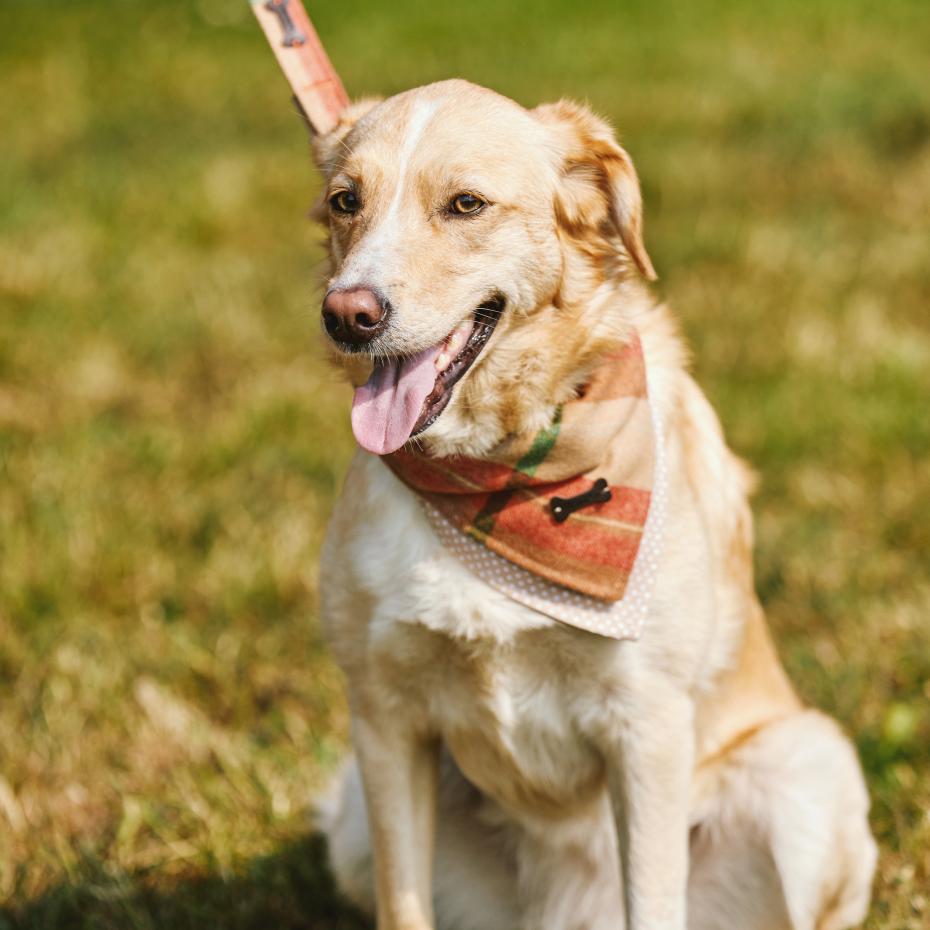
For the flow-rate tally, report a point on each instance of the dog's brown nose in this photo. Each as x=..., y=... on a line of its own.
x=354, y=316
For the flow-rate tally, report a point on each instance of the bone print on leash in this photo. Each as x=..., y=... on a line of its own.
x=292, y=35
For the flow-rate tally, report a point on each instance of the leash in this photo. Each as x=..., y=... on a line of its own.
x=318, y=91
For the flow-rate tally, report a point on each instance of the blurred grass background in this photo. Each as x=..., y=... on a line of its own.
x=171, y=441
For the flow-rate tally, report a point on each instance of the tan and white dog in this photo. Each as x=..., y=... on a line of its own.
x=512, y=771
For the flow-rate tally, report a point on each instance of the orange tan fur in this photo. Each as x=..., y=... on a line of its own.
x=510, y=770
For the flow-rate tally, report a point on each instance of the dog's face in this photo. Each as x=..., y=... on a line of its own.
x=468, y=239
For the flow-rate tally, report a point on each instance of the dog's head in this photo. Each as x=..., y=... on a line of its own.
x=476, y=249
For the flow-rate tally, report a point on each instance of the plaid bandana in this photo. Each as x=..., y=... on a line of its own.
x=539, y=500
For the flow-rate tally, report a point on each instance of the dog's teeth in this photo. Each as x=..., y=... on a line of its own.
x=453, y=345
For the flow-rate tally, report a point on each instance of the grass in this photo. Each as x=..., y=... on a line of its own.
x=171, y=442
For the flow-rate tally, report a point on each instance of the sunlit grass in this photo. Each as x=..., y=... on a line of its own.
x=171, y=441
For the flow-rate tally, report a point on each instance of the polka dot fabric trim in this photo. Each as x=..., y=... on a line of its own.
x=623, y=619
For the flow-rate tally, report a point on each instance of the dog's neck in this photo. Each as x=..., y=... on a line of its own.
x=537, y=360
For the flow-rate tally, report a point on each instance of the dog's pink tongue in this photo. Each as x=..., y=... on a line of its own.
x=386, y=408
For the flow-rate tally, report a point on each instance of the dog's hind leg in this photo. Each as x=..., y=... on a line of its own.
x=474, y=877
x=781, y=840
x=343, y=818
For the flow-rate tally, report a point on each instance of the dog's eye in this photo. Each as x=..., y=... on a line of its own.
x=344, y=202
x=465, y=204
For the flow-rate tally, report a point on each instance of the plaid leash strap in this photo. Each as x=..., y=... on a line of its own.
x=510, y=501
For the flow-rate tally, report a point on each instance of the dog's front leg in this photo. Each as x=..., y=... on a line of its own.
x=399, y=771
x=649, y=772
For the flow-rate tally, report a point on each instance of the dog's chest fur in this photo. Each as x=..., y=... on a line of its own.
x=518, y=699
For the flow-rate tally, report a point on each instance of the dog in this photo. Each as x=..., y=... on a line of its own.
x=512, y=770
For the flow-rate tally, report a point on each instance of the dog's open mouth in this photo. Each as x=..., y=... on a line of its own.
x=405, y=396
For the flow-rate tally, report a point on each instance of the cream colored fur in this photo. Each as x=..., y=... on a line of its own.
x=513, y=773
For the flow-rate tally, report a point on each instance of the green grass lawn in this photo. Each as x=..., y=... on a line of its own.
x=171, y=440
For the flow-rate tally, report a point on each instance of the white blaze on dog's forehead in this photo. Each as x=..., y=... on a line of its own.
x=422, y=114
x=370, y=257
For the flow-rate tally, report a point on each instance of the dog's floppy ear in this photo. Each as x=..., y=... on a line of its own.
x=598, y=182
x=326, y=148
